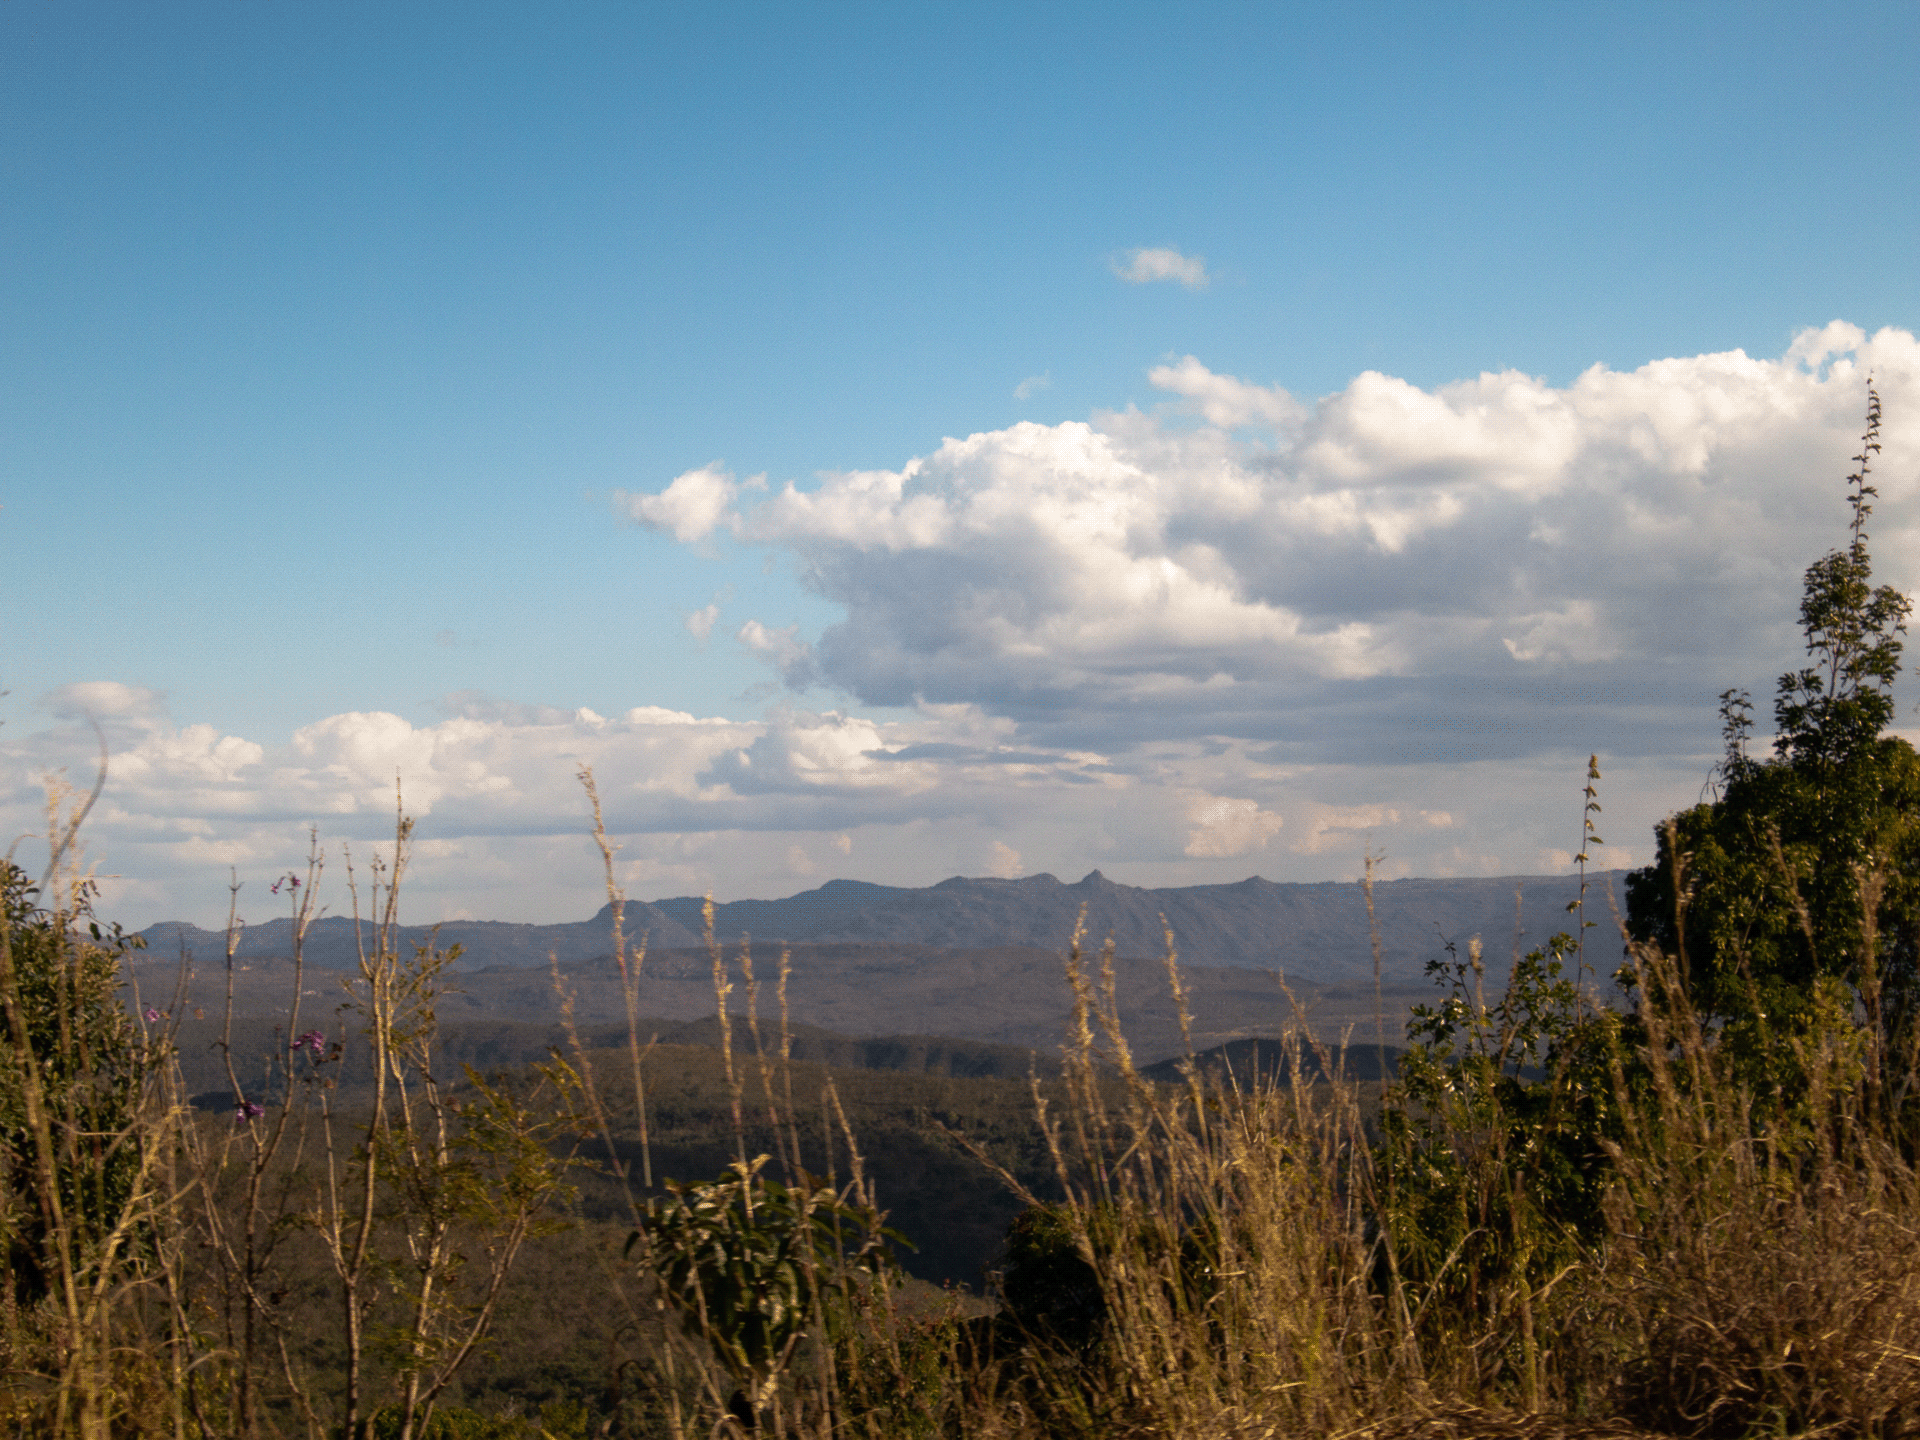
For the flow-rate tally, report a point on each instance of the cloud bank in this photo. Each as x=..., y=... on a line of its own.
x=1241, y=633
x=758, y=807
x=1485, y=571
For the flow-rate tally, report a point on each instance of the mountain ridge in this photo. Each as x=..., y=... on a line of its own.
x=1317, y=930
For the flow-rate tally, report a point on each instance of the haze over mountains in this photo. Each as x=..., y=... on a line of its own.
x=1315, y=932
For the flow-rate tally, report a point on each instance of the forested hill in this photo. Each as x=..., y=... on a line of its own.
x=1317, y=932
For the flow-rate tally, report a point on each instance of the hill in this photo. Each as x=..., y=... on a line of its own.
x=1316, y=932
x=1009, y=997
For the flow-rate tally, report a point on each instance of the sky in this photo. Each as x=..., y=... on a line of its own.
x=891, y=442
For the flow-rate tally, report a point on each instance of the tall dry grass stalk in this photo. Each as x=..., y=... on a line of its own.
x=1763, y=1253
x=1755, y=1271
x=1227, y=1224
x=245, y=1200
x=811, y=1243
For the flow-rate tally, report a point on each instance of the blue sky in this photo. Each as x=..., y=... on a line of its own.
x=340, y=342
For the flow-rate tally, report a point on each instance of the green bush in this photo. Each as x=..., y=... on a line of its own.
x=70, y=1150
x=754, y=1267
x=1049, y=1290
x=1493, y=1161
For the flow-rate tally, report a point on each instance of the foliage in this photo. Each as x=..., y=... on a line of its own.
x=65, y=1019
x=953, y=1205
x=1492, y=1148
x=1047, y=1285
x=1806, y=866
x=86, y=1126
x=754, y=1266
x=903, y=1372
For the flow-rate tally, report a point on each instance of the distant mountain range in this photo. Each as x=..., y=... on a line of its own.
x=1316, y=932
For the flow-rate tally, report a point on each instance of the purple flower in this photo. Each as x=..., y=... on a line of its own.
x=314, y=1040
x=153, y=1016
x=246, y=1111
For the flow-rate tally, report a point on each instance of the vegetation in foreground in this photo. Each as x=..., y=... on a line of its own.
x=1699, y=1215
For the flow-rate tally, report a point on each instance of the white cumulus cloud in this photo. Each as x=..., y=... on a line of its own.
x=1396, y=574
x=700, y=622
x=1224, y=827
x=691, y=508
x=104, y=700
x=1225, y=401
x=1143, y=267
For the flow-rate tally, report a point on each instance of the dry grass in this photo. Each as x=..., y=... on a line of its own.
x=1763, y=1257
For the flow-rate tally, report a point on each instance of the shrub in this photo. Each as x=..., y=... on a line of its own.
x=754, y=1267
x=1493, y=1159
x=69, y=1148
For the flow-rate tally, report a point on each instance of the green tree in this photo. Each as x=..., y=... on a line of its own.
x=1797, y=886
